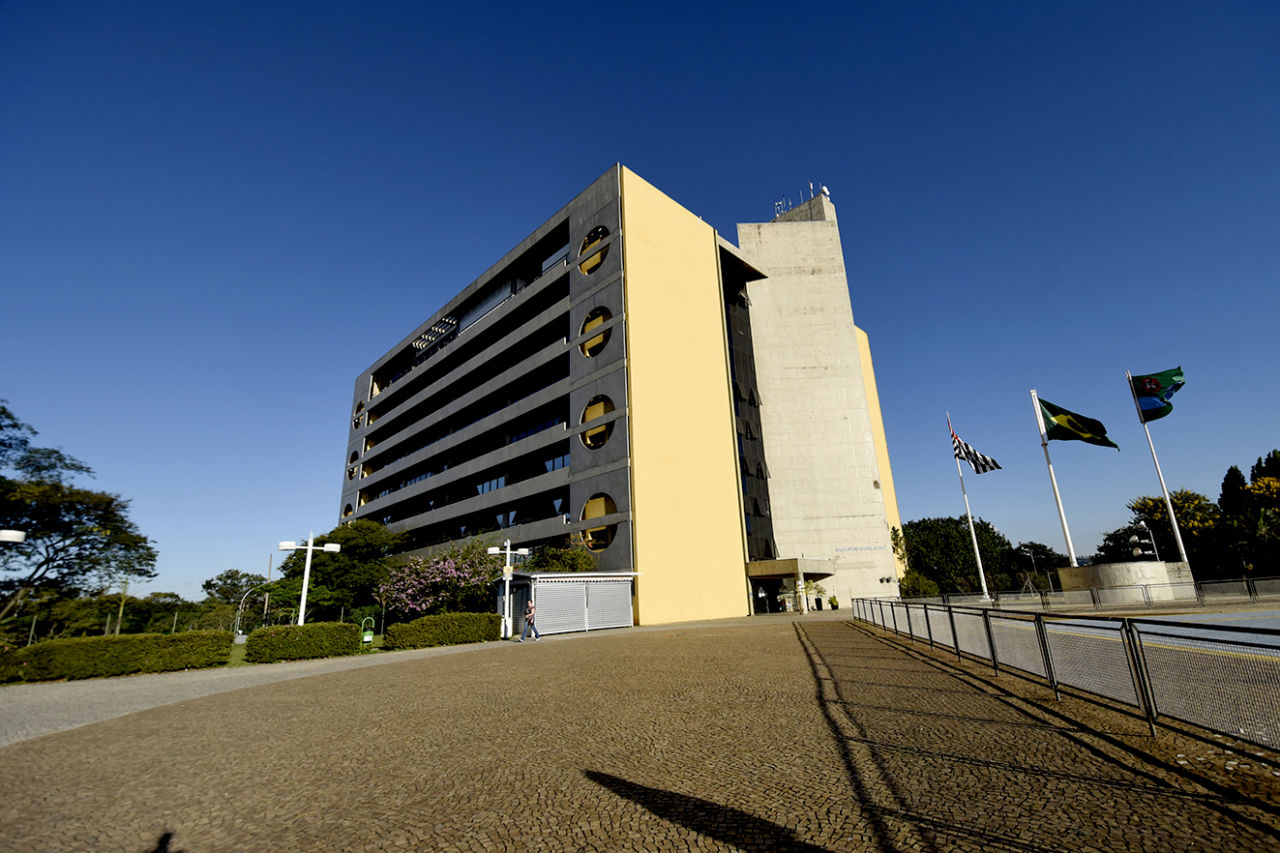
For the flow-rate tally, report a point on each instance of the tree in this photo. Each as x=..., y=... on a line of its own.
x=230, y=586
x=1266, y=466
x=941, y=550
x=1250, y=532
x=1197, y=517
x=350, y=578
x=1231, y=499
x=571, y=556
x=916, y=585
x=1040, y=563
x=72, y=533
x=459, y=581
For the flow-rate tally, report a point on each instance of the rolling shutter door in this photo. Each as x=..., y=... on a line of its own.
x=609, y=604
x=561, y=606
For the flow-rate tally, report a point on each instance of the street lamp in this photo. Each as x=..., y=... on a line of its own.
x=240, y=609
x=14, y=536
x=1146, y=539
x=506, y=582
x=330, y=548
x=1048, y=577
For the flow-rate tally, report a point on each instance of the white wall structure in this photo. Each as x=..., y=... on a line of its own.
x=1166, y=581
x=830, y=487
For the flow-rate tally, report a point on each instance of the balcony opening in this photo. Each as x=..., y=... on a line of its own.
x=597, y=407
x=595, y=345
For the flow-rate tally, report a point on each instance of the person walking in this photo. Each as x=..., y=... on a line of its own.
x=529, y=613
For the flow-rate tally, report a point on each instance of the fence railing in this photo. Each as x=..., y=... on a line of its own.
x=1151, y=595
x=1223, y=678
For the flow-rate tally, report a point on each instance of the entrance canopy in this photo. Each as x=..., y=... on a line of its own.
x=790, y=567
x=798, y=569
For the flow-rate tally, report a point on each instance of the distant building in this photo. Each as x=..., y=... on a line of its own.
x=700, y=413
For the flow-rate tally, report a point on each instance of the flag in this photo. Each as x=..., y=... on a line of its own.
x=1064, y=425
x=1154, y=393
x=980, y=464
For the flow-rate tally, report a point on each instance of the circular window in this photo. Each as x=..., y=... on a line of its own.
x=589, y=242
x=598, y=506
x=595, y=344
x=355, y=456
x=347, y=511
x=596, y=436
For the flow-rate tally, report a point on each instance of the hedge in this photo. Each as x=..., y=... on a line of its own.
x=444, y=629
x=301, y=642
x=96, y=657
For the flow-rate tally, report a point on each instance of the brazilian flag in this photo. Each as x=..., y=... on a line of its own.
x=1064, y=425
x=1154, y=393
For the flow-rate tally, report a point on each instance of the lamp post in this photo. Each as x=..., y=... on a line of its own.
x=1048, y=577
x=1155, y=552
x=240, y=609
x=506, y=583
x=330, y=548
x=16, y=537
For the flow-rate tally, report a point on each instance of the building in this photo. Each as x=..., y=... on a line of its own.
x=701, y=413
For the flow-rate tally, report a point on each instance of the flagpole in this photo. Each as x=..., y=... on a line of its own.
x=1044, y=442
x=982, y=577
x=1168, y=502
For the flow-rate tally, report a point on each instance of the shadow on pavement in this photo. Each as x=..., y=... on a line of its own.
x=162, y=845
x=722, y=823
x=981, y=745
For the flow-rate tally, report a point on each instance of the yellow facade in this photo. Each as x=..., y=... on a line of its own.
x=882, y=445
x=687, y=526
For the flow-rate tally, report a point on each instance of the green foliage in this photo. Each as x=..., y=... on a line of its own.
x=941, y=550
x=571, y=556
x=444, y=629
x=350, y=578
x=96, y=657
x=916, y=585
x=1197, y=521
x=1266, y=466
x=72, y=533
x=230, y=586
x=61, y=613
x=1039, y=563
x=1231, y=498
x=1250, y=534
x=301, y=642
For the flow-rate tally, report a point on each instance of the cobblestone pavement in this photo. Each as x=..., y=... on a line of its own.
x=768, y=734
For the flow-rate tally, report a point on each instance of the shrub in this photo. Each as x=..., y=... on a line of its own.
x=443, y=629
x=301, y=642
x=96, y=657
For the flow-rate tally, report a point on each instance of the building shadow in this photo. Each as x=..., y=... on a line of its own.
x=721, y=823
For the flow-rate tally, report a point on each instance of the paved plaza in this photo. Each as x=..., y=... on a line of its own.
x=771, y=733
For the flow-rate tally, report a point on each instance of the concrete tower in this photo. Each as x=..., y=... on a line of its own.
x=830, y=484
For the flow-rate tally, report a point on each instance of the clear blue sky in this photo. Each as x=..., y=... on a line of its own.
x=214, y=215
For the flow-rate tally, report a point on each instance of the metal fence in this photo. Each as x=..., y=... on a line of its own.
x=1151, y=595
x=1223, y=678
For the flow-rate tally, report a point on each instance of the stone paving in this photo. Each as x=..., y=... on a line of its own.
x=774, y=733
